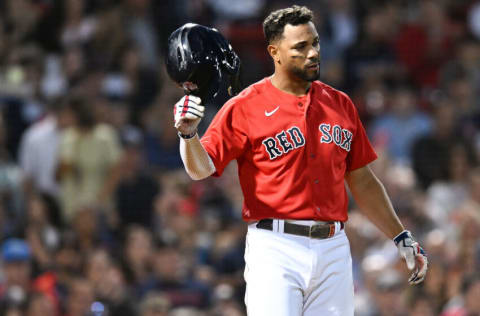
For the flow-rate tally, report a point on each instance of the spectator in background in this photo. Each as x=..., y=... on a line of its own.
x=19, y=85
x=109, y=283
x=338, y=27
x=68, y=260
x=88, y=151
x=42, y=229
x=372, y=57
x=236, y=10
x=401, y=126
x=186, y=311
x=140, y=27
x=474, y=19
x=16, y=258
x=154, y=304
x=459, y=88
x=86, y=229
x=12, y=311
x=77, y=28
x=171, y=277
x=461, y=79
x=97, y=267
x=38, y=153
x=227, y=308
x=227, y=249
x=22, y=16
x=469, y=304
x=80, y=298
x=40, y=305
x=465, y=64
x=116, y=112
x=471, y=205
x=74, y=66
x=388, y=295
x=433, y=43
x=172, y=13
x=430, y=152
x=445, y=195
x=435, y=289
x=137, y=257
x=136, y=189
x=132, y=81
x=420, y=305
x=240, y=21
x=109, y=36
x=161, y=144
x=11, y=190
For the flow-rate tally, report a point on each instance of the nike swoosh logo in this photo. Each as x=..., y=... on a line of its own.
x=272, y=112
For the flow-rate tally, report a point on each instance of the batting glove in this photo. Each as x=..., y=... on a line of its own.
x=187, y=114
x=414, y=255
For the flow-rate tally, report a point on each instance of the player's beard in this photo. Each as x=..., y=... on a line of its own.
x=306, y=74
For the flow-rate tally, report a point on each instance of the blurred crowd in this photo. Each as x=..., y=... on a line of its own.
x=97, y=214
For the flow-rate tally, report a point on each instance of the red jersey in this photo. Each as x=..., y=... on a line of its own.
x=292, y=152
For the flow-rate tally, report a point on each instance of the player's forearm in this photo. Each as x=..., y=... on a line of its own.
x=373, y=201
x=196, y=160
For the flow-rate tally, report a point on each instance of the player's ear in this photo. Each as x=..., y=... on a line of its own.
x=273, y=50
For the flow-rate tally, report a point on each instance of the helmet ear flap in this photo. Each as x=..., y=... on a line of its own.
x=235, y=82
x=229, y=62
x=232, y=67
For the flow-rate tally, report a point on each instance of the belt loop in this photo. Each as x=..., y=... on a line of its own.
x=281, y=226
x=277, y=226
x=333, y=228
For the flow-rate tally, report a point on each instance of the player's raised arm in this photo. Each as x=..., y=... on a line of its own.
x=198, y=60
x=373, y=201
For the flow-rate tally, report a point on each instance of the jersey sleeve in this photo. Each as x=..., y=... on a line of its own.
x=226, y=137
x=361, y=152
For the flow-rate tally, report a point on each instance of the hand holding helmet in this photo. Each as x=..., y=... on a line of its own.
x=199, y=58
x=187, y=113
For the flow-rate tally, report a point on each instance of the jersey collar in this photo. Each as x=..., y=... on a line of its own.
x=285, y=96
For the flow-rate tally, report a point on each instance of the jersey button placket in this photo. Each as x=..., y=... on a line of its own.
x=304, y=108
x=312, y=155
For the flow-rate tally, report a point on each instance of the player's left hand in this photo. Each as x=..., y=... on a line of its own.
x=414, y=255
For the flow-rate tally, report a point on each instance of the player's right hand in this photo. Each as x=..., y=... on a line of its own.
x=414, y=255
x=187, y=114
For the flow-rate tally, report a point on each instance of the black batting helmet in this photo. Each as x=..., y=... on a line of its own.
x=198, y=58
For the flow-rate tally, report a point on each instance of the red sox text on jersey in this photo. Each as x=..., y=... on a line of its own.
x=280, y=145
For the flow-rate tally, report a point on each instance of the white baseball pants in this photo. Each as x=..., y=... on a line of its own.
x=289, y=275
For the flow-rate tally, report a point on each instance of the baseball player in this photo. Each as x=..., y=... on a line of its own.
x=296, y=141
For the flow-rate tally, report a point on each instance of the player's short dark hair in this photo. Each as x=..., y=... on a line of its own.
x=275, y=22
